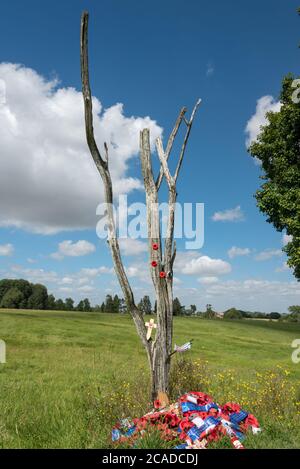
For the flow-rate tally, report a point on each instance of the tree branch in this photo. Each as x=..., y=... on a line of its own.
x=163, y=161
x=102, y=167
x=170, y=143
x=189, y=126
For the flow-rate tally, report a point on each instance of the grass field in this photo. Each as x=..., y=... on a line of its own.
x=68, y=375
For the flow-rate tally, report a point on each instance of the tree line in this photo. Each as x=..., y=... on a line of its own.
x=21, y=294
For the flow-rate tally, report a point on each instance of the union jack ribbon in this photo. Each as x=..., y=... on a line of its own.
x=184, y=347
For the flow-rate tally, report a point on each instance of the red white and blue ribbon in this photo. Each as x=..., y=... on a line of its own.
x=183, y=348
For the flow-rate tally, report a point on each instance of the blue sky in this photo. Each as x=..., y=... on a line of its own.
x=152, y=58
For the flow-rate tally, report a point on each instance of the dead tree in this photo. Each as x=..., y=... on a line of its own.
x=161, y=256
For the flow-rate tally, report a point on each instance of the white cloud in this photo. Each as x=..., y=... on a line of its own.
x=235, y=252
x=86, y=288
x=6, y=249
x=208, y=280
x=31, y=261
x=67, y=280
x=286, y=239
x=140, y=272
x=253, y=127
x=132, y=247
x=35, y=275
x=66, y=289
x=268, y=254
x=83, y=280
x=255, y=287
x=232, y=214
x=283, y=268
x=93, y=272
x=48, y=181
x=68, y=248
x=177, y=281
x=206, y=266
x=251, y=294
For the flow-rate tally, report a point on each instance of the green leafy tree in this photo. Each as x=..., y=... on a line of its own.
x=51, y=302
x=275, y=315
x=60, y=305
x=145, y=305
x=12, y=298
x=80, y=306
x=176, y=307
x=209, y=313
x=22, y=285
x=233, y=313
x=109, y=304
x=116, y=304
x=87, y=305
x=294, y=315
x=277, y=148
x=69, y=302
x=294, y=309
x=38, y=298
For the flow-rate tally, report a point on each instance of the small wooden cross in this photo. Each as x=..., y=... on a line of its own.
x=150, y=325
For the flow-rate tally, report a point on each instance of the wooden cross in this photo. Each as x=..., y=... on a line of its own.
x=150, y=325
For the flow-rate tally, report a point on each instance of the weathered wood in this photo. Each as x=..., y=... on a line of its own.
x=170, y=143
x=189, y=127
x=158, y=350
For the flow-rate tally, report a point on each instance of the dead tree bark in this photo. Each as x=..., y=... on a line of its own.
x=158, y=350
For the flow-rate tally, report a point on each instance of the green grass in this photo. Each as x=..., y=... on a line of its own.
x=59, y=364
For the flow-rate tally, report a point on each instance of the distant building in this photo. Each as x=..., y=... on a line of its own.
x=220, y=315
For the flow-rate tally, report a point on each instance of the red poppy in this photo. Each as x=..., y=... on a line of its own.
x=162, y=274
x=154, y=263
x=251, y=420
x=157, y=404
x=155, y=246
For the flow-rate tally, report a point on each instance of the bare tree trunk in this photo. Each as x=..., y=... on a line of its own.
x=158, y=350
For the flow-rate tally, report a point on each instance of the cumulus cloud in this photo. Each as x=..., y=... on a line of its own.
x=231, y=214
x=235, y=252
x=70, y=249
x=251, y=294
x=67, y=280
x=207, y=280
x=264, y=104
x=95, y=271
x=86, y=288
x=34, y=275
x=132, y=247
x=206, y=266
x=48, y=182
x=6, y=249
x=66, y=289
x=268, y=254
